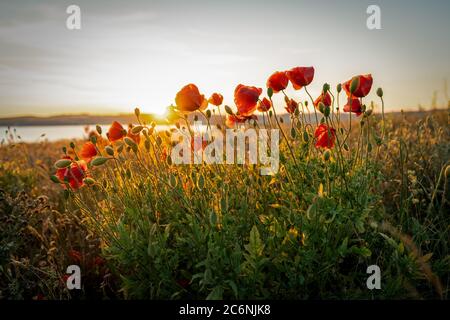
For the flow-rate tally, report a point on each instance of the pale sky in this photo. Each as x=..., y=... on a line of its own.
x=140, y=53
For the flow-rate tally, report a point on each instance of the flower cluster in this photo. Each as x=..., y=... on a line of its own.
x=73, y=169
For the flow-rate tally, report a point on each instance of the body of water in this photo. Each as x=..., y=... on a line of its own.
x=33, y=134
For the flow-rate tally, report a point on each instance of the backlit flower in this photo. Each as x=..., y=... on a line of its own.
x=216, y=99
x=325, y=136
x=246, y=99
x=300, y=76
x=73, y=175
x=278, y=81
x=363, y=88
x=116, y=132
x=232, y=119
x=88, y=151
x=264, y=105
x=353, y=105
x=325, y=99
x=135, y=137
x=291, y=105
x=189, y=99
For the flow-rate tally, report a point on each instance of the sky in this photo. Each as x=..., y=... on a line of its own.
x=140, y=53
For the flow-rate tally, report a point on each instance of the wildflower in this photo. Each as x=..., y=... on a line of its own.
x=278, y=81
x=246, y=98
x=216, y=99
x=189, y=99
x=353, y=105
x=73, y=175
x=232, y=119
x=88, y=151
x=135, y=137
x=264, y=105
x=75, y=255
x=116, y=132
x=300, y=76
x=325, y=136
x=325, y=99
x=291, y=105
x=363, y=87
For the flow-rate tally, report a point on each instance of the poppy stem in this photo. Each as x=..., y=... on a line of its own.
x=312, y=101
x=284, y=135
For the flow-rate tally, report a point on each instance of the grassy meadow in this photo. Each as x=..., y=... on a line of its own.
x=373, y=191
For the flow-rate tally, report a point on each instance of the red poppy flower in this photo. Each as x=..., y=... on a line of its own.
x=353, y=105
x=232, y=119
x=135, y=137
x=189, y=99
x=74, y=174
x=291, y=105
x=116, y=132
x=326, y=100
x=363, y=88
x=216, y=99
x=246, y=98
x=278, y=81
x=264, y=105
x=325, y=136
x=300, y=76
x=75, y=256
x=88, y=151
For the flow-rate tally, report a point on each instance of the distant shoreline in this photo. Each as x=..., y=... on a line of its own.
x=84, y=119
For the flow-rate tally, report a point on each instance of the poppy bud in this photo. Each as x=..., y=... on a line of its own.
x=158, y=140
x=228, y=110
x=129, y=142
x=63, y=163
x=55, y=179
x=136, y=130
x=147, y=144
x=99, y=161
x=89, y=181
x=327, y=155
x=109, y=150
x=195, y=118
x=270, y=113
x=305, y=136
x=326, y=87
x=326, y=111
x=208, y=114
x=306, y=104
x=321, y=107
x=270, y=92
x=72, y=145
x=137, y=112
x=368, y=112
x=354, y=84
x=99, y=129
x=380, y=92
x=293, y=133
x=169, y=160
x=94, y=139
x=339, y=88
x=64, y=150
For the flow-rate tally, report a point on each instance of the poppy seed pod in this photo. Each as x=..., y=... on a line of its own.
x=339, y=88
x=380, y=92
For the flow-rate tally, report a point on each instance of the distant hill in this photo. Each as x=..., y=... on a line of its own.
x=86, y=119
